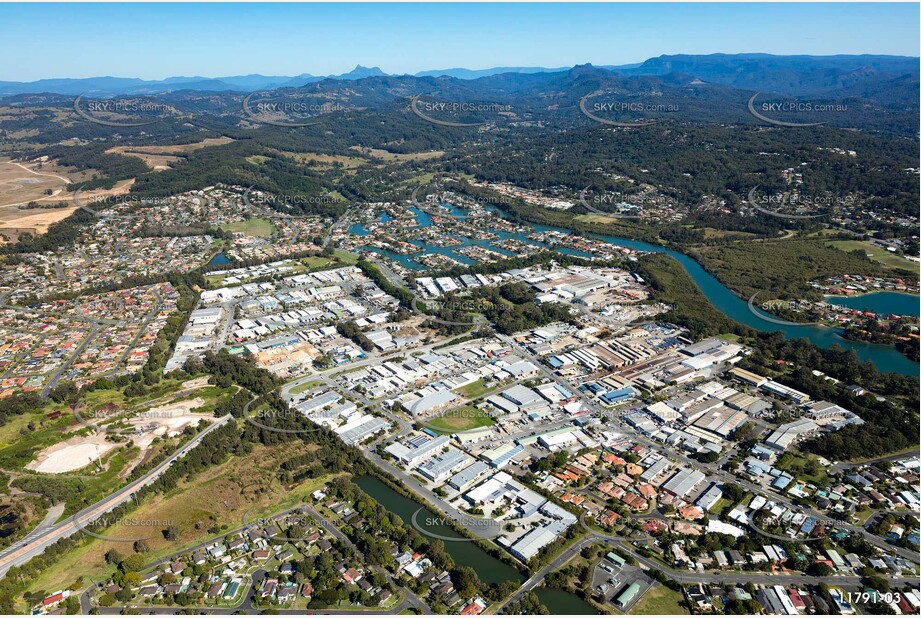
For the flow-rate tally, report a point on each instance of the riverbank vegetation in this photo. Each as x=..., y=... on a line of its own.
x=783, y=268
x=889, y=410
x=690, y=308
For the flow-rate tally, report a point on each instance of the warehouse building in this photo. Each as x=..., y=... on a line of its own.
x=442, y=466
x=683, y=482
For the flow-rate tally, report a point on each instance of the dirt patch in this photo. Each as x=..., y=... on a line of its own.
x=72, y=454
x=24, y=182
x=159, y=158
x=386, y=155
x=142, y=428
x=21, y=183
x=166, y=421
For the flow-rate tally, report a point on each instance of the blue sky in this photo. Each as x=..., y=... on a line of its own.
x=153, y=41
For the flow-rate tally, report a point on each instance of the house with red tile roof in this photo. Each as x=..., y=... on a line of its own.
x=473, y=608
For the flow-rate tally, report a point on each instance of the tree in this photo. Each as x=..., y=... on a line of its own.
x=733, y=492
x=107, y=600
x=819, y=569
x=134, y=562
x=113, y=556
x=131, y=579
x=466, y=581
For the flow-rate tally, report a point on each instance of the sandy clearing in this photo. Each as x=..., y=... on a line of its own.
x=15, y=220
x=79, y=451
x=20, y=185
x=71, y=454
x=158, y=158
x=167, y=420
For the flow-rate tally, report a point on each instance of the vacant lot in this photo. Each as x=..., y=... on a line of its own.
x=472, y=390
x=21, y=183
x=875, y=253
x=72, y=454
x=219, y=499
x=316, y=159
x=390, y=157
x=24, y=182
x=251, y=227
x=660, y=600
x=158, y=158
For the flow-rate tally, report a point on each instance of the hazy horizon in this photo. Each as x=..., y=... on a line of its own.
x=219, y=40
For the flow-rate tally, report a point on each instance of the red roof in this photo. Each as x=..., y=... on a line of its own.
x=54, y=598
x=472, y=609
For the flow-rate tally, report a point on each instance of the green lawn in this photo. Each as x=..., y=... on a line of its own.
x=251, y=227
x=464, y=419
x=798, y=463
x=660, y=600
x=472, y=390
x=346, y=258
x=306, y=386
x=877, y=254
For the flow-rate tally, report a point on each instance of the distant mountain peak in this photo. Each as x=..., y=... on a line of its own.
x=360, y=72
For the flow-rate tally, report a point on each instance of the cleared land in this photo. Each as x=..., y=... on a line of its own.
x=328, y=162
x=306, y=386
x=72, y=454
x=392, y=157
x=220, y=497
x=158, y=158
x=660, y=600
x=874, y=252
x=472, y=390
x=81, y=450
x=251, y=227
x=22, y=183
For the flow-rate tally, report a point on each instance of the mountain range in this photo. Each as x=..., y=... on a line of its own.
x=844, y=75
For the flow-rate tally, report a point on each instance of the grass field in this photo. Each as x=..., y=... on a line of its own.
x=251, y=227
x=660, y=600
x=877, y=254
x=463, y=419
x=799, y=463
x=346, y=258
x=158, y=158
x=222, y=497
x=391, y=157
x=472, y=390
x=710, y=232
x=595, y=218
x=327, y=161
x=22, y=183
x=306, y=386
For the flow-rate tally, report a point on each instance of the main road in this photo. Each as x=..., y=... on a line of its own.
x=712, y=470
x=22, y=552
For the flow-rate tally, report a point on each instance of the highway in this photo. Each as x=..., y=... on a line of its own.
x=23, y=551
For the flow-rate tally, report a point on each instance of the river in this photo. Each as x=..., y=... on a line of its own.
x=463, y=551
x=564, y=602
x=883, y=303
x=885, y=358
